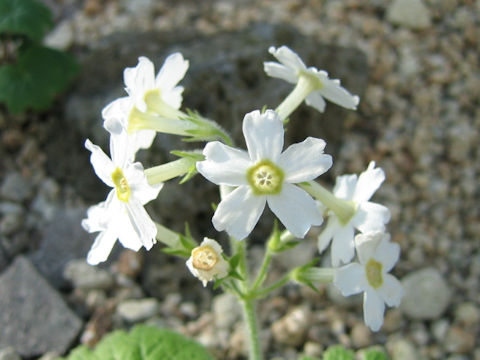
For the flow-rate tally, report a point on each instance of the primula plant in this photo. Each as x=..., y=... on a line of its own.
x=265, y=173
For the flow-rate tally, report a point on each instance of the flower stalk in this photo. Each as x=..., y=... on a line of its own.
x=304, y=87
x=170, y=170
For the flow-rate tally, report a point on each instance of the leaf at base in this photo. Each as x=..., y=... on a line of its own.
x=29, y=18
x=33, y=81
x=142, y=343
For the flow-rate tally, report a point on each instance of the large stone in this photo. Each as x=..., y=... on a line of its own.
x=62, y=240
x=15, y=187
x=34, y=317
x=85, y=276
x=427, y=294
x=411, y=14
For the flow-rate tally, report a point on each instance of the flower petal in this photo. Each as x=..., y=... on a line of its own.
x=263, y=135
x=280, y=71
x=387, y=253
x=350, y=279
x=97, y=217
x=173, y=97
x=304, y=161
x=142, y=225
x=343, y=246
x=138, y=80
x=345, y=186
x=368, y=182
x=371, y=217
x=295, y=209
x=238, y=212
x=366, y=245
x=224, y=164
x=172, y=71
x=102, y=246
x=332, y=91
x=120, y=149
x=288, y=57
x=315, y=100
x=102, y=164
x=327, y=233
x=373, y=309
x=391, y=291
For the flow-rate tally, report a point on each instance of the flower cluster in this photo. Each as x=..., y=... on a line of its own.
x=264, y=173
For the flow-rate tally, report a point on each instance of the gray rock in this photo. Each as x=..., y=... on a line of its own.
x=12, y=217
x=9, y=353
x=16, y=188
x=292, y=328
x=409, y=13
x=403, y=349
x=467, y=314
x=138, y=310
x=34, y=317
x=226, y=310
x=61, y=37
x=85, y=276
x=62, y=240
x=459, y=340
x=427, y=294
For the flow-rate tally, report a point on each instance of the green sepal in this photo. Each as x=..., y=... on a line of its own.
x=206, y=130
x=234, y=261
x=296, y=274
x=214, y=206
x=187, y=244
x=274, y=241
x=27, y=18
x=194, y=157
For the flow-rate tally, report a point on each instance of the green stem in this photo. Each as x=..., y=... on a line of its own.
x=250, y=318
x=262, y=273
x=265, y=291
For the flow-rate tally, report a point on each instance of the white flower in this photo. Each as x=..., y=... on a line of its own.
x=377, y=256
x=152, y=99
x=141, y=79
x=122, y=216
x=206, y=261
x=265, y=175
x=368, y=216
x=312, y=85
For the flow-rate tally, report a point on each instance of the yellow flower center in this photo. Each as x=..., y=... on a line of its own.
x=204, y=258
x=121, y=185
x=374, y=273
x=265, y=178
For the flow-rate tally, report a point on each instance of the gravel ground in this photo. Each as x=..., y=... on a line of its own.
x=419, y=118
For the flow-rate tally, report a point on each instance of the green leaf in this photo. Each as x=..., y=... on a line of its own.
x=29, y=18
x=37, y=77
x=338, y=352
x=374, y=354
x=142, y=343
x=308, y=358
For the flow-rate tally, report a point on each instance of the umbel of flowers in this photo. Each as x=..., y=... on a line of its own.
x=268, y=172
